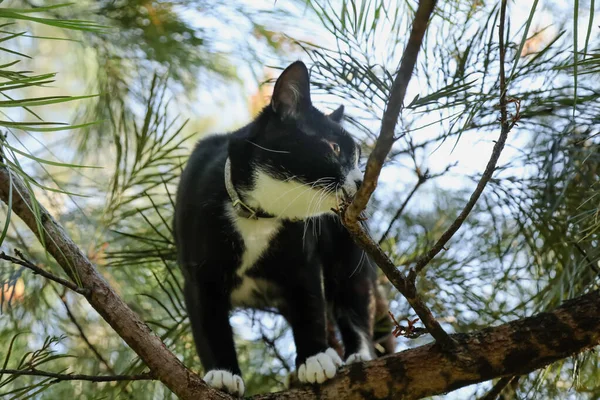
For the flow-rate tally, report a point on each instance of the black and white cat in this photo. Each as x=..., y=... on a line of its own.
x=245, y=237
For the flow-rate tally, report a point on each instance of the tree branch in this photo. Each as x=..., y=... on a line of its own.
x=421, y=180
x=506, y=126
x=350, y=215
x=499, y=387
x=83, y=336
x=389, y=121
x=405, y=285
x=515, y=348
x=40, y=271
x=78, y=377
x=129, y=326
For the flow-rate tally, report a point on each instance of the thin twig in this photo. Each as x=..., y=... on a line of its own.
x=40, y=271
x=422, y=179
x=271, y=345
x=498, y=388
x=506, y=126
x=350, y=215
x=404, y=285
x=410, y=331
x=79, y=377
x=389, y=121
x=84, y=337
x=590, y=262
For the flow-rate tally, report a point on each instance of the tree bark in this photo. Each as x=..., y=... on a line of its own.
x=514, y=348
x=129, y=326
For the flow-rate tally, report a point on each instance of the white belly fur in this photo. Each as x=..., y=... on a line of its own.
x=256, y=235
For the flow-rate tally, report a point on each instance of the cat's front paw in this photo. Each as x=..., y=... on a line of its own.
x=320, y=367
x=225, y=381
x=359, y=357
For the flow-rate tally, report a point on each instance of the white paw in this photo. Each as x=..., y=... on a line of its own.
x=358, y=358
x=225, y=381
x=320, y=367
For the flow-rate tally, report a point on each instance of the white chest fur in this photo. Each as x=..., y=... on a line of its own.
x=256, y=235
x=291, y=199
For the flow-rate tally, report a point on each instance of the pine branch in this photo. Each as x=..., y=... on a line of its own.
x=102, y=297
x=40, y=271
x=350, y=215
x=389, y=121
x=506, y=126
x=78, y=377
x=499, y=387
x=83, y=336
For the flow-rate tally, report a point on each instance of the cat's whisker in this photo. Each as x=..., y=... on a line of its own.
x=305, y=228
x=306, y=189
x=360, y=261
x=337, y=198
x=266, y=149
x=321, y=192
x=324, y=192
x=300, y=186
x=309, y=210
x=322, y=196
x=308, y=219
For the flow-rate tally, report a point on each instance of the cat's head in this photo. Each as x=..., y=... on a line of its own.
x=299, y=162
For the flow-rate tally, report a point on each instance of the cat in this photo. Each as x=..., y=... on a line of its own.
x=254, y=227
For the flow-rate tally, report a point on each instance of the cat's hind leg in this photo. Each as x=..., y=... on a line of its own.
x=354, y=309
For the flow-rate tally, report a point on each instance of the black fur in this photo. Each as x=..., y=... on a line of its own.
x=290, y=139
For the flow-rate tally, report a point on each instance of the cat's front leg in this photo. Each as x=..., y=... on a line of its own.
x=355, y=316
x=208, y=309
x=320, y=367
x=315, y=362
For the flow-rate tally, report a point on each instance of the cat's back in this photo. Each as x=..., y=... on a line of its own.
x=206, y=159
x=203, y=175
x=201, y=191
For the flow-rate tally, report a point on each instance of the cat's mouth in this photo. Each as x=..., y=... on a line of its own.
x=347, y=196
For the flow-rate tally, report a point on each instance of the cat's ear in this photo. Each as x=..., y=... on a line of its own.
x=338, y=114
x=291, y=95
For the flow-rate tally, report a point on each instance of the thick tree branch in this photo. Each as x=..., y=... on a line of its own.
x=515, y=348
x=129, y=326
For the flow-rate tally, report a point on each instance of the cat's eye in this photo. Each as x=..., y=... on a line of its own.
x=335, y=147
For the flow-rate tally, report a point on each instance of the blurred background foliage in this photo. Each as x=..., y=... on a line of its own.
x=121, y=90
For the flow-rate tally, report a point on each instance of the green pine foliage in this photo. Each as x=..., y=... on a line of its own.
x=105, y=160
